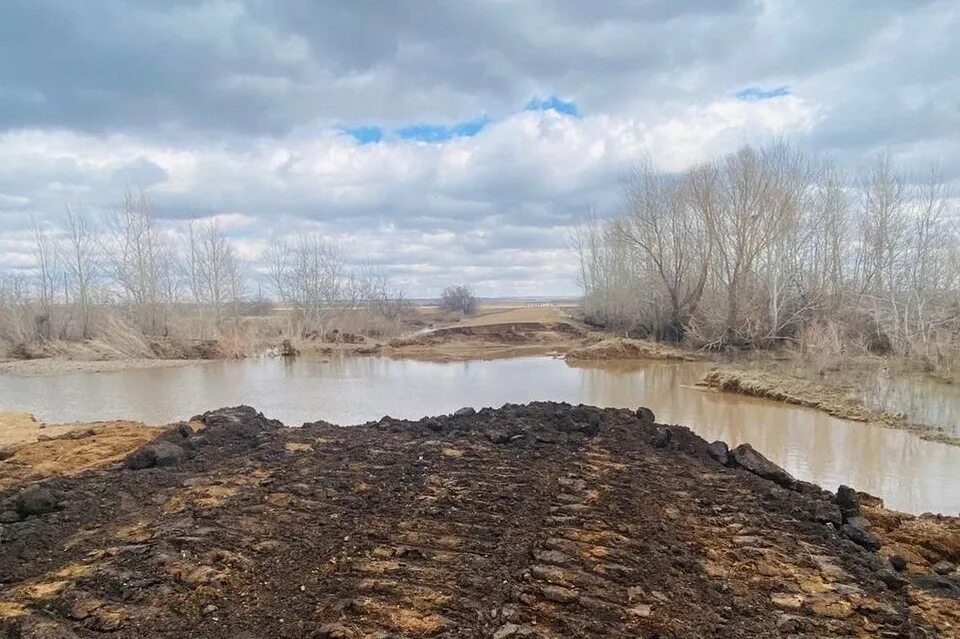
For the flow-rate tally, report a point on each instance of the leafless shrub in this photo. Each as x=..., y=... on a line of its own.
x=458, y=298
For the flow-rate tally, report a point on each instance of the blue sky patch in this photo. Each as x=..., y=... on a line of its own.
x=753, y=94
x=441, y=132
x=553, y=103
x=365, y=134
x=435, y=133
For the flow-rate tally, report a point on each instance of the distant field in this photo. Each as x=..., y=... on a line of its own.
x=524, y=315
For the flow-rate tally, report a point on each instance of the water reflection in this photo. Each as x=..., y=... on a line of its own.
x=921, y=398
x=909, y=473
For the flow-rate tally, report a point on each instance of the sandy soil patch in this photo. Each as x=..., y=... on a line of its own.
x=70, y=449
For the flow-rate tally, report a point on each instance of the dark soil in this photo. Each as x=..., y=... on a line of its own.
x=529, y=521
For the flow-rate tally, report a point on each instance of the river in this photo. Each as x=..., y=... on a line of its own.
x=908, y=473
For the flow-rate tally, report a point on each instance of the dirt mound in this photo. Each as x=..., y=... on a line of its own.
x=625, y=348
x=542, y=520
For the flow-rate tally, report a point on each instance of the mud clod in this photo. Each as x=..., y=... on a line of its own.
x=746, y=457
x=719, y=451
x=157, y=454
x=848, y=501
x=860, y=537
x=35, y=500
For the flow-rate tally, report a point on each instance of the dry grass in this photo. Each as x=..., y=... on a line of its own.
x=625, y=348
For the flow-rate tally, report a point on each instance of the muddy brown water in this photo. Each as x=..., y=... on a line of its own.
x=910, y=474
x=923, y=399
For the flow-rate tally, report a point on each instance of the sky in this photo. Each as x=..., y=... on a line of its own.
x=445, y=141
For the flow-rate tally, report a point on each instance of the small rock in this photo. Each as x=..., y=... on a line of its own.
x=184, y=430
x=35, y=500
x=860, y=537
x=898, y=563
x=560, y=594
x=506, y=630
x=944, y=568
x=720, y=452
x=209, y=609
x=466, y=411
x=9, y=517
x=498, y=436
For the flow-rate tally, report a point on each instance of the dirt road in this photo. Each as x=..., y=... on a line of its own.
x=528, y=521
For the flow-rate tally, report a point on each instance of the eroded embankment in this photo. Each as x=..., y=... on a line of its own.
x=542, y=520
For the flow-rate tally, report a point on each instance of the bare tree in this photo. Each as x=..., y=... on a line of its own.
x=883, y=225
x=48, y=279
x=309, y=274
x=663, y=225
x=214, y=273
x=142, y=262
x=81, y=260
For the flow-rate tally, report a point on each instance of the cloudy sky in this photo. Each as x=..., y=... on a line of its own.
x=444, y=140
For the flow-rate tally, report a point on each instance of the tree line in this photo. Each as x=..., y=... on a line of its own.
x=770, y=246
x=118, y=271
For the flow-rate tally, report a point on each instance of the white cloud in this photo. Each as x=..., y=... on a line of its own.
x=233, y=109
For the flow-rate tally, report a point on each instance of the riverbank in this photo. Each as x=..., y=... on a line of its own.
x=61, y=366
x=542, y=518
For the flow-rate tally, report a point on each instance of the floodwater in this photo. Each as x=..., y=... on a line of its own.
x=908, y=473
x=921, y=398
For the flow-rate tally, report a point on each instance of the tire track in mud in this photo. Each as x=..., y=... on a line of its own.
x=442, y=564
